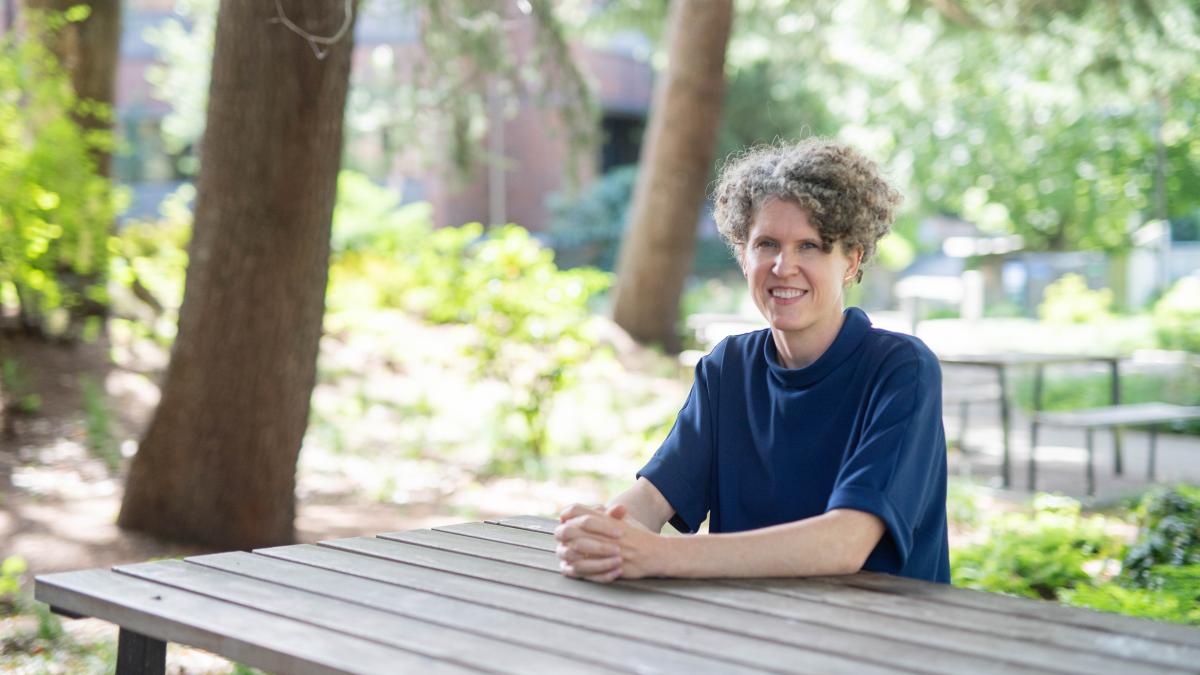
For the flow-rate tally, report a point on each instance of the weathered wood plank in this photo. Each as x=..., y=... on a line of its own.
x=816, y=636
x=996, y=602
x=582, y=642
x=264, y=641
x=1158, y=652
x=862, y=622
x=520, y=589
x=533, y=523
x=435, y=641
x=988, y=602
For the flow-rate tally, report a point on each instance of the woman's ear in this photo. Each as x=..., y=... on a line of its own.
x=739, y=251
x=855, y=255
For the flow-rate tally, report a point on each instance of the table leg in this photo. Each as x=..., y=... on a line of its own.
x=963, y=409
x=1005, y=471
x=1115, y=382
x=1091, y=464
x=1033, y=439
x=1153, y=444
x=138, y=654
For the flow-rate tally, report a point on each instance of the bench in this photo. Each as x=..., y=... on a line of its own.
x=1113, y=417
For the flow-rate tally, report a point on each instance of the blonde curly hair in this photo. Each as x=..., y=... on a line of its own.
x=844, y=193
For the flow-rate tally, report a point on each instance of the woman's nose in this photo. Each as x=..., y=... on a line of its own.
x=785, y=263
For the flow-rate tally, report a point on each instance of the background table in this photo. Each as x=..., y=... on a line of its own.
x=999, y=363
x=488, y=597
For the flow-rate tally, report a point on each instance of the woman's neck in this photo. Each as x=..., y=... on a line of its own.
x=800, y=349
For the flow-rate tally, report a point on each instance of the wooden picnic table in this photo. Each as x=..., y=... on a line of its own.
x=487, y=597
x=1000, y=362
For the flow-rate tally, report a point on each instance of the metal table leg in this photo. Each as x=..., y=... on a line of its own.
x=1115, y=383
x=138, y=654
x=1005, y=470
x=1091, y=463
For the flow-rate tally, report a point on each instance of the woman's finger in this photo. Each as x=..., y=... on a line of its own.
x=589, y=566
x=578, y=549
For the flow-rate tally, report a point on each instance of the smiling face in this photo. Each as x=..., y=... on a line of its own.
x=796, y=284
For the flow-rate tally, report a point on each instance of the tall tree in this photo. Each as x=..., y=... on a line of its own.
x=217, y=464
x=88, y=52
x=658, y=246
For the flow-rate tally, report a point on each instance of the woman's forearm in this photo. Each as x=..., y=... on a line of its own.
x=837, y=542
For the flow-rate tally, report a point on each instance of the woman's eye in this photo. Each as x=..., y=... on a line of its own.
x=765, y=244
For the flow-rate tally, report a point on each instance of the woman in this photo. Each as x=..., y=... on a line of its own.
x=814, y=446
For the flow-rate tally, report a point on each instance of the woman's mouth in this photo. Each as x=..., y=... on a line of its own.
x=787, y=293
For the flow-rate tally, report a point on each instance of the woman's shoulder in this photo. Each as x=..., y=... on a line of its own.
x=895, y=351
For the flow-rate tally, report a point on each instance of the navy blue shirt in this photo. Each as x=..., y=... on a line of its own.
x=757, y=444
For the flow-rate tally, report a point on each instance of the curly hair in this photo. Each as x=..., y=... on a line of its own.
x=844, y=193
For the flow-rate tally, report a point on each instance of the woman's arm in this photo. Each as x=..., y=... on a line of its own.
x=604, y=545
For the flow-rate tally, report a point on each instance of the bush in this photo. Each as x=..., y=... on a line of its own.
x=1180, y=604
x=1069, y=300
x=587, y=230
x=1169, y=534
x=1036, y=554
x=1177, y=316
x=55, y=208
x=531, y=319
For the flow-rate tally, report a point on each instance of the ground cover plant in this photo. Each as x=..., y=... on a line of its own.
x=1052, y=551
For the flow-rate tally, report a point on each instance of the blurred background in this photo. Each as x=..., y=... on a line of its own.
x=522, y=266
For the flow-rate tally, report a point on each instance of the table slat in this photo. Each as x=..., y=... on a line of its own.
x=800, y=632
x=983, y=600
x=345, y=582
x=521, y=590
x=264, y=641
x=861, y=622
x=434, y=641
x=1163, y=653
x=1049, y=611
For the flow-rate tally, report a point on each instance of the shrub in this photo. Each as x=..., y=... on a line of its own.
x=1036, y=554
x=1168, y=535
x=55, y=208
x=1177, y=316
x=1180, y=604
x=11, y=571
x=1069, y=300
x=587, y=230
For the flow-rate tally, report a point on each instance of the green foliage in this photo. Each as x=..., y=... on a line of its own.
x=1179, y=604
x=587, y=229
x=532, y=329
x=1069, y=300
x=1036, y=554
x=11, y=571
x=97, y=424
x=1169, y=535
x=18, y=398
x=148, y=267
x=55, y=208
x=1177, y=316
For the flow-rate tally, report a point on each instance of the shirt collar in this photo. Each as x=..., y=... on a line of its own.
x=854, y=329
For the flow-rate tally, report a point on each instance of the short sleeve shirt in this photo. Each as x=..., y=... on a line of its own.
x=757, y=444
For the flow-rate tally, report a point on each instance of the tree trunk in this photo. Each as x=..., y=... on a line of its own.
x=660, y=242
x=88, y=52
x=217, y=465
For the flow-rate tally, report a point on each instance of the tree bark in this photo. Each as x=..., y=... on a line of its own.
x=217, y=464
x=660, y=242
x=88, y=52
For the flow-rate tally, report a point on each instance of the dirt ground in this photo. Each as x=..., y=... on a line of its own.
x=58, y=503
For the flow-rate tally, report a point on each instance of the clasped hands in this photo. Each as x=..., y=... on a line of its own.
x=601, y=545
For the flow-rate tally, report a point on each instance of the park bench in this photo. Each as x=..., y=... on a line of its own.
x=1112, y=417
x=488, y=597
